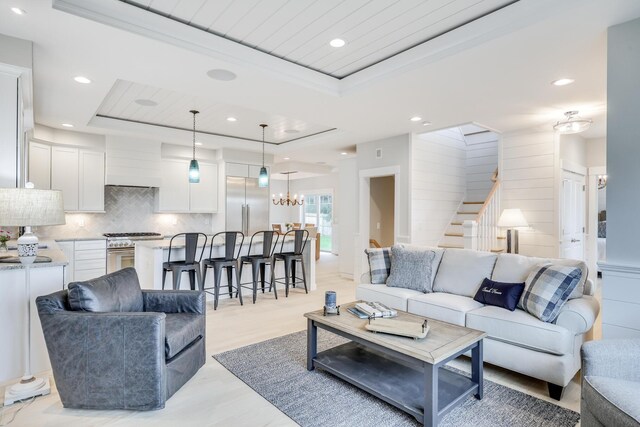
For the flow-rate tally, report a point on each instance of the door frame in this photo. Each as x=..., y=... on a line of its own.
x=364, y=192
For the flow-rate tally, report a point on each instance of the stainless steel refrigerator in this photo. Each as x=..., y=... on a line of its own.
x=247, y=205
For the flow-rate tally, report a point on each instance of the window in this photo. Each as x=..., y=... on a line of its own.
x=318, y=210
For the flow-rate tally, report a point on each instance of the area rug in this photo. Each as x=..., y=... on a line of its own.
x=276, y=369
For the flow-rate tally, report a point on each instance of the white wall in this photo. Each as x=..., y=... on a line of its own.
x=481, y=163
x=347, y=218
x=529, y=170
x=596, y=152
x=8, y=130
x=621, y=272
x=438, y=184
x=573, y=148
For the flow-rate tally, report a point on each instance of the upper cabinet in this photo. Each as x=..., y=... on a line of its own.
x=77, y=172
x=177, y=195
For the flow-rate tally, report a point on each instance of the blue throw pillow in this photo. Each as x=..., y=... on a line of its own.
x=505, y=295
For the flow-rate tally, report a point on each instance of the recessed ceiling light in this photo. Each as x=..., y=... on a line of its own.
x=425, y=123
x=286, y=158
x=344, y=153
x=18, y=11
x=337, y=43
x=416, y=119
x=82, y=79
x=562, y=82
x=198, y=143
x=67, y=125
x=146, y=102
x=222, y=75
x=291, y=131
x=232, y=119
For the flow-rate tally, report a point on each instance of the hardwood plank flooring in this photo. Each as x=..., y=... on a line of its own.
x=215, y=397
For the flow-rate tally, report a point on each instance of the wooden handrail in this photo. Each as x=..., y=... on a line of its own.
x=374, y=243
x=496, y=184
x=494, y=177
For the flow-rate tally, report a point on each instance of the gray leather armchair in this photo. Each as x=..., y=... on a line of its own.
x=610, y=383
x=115, y=346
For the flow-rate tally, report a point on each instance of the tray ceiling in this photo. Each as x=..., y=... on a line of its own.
x=166, y=108
x=299, y=31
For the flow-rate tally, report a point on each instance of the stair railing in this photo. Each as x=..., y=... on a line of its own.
x=482, y=233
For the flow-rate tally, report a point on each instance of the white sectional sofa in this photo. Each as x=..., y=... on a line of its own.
x=516, y=340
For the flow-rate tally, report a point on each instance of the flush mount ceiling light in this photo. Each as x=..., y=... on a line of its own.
x=221, y=75
x=67, y=125
x=263, y=177
x=18, y=11
x=415, y=118
x=572, y=123
x=146, y=102
x=562, y=82
x=82, y=79
x=194, y=168
x=232, y=119
x=337, y=43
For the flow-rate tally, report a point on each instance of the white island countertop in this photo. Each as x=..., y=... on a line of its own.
x=58, y=258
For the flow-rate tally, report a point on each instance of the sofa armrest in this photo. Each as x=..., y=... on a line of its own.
x=174, y=301
x=107, y=360
x=589, y=287
x=578, y=315
x=614, y=358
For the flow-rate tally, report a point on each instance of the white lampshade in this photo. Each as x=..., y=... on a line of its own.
x=511, y=218
x=20, y=207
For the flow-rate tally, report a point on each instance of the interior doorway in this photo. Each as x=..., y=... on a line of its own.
x=573, y=215
x=382, y=211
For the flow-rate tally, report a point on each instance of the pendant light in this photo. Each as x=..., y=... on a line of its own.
x=288, y=201
x=263, y=177
x=572, y=123
x=194, y=168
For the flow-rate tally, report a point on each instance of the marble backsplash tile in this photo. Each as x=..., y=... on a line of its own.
x=127, y=209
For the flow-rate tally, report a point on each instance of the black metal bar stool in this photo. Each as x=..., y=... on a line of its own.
x=228, y=262
x=189, y=264
x=290, y=259
x=259, y=261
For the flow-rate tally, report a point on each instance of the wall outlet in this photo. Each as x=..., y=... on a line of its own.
x=174, y=220
x=378, y=153
x=81, y=222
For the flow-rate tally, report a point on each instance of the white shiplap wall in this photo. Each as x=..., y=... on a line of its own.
x=481, y=163
x=438, y=183
x=529, y=172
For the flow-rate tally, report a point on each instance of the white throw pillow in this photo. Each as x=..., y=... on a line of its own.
x=462, y=271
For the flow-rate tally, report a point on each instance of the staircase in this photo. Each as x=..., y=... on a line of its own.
x=485, y=216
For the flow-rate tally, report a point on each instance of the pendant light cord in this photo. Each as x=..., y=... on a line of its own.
x=263, y=146
x=194, y=135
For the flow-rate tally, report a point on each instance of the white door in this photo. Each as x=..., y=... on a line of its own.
x=572, y=215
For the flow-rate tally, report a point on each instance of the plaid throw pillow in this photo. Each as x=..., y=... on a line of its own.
x=379, y=264
x=547, y=288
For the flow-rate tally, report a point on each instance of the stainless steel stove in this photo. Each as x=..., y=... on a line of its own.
x=121, y=248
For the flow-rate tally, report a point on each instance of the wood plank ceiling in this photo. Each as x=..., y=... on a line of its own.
x=299, y=31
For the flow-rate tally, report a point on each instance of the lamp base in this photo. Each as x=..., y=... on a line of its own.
x=26, y=388
x=27, y=247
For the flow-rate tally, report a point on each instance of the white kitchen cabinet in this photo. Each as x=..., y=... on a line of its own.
x=64, y=175
x=91, y=181
x=79, y=173
x=40, y=165
x=67, y=248
x=87, y=259
x=177, y=195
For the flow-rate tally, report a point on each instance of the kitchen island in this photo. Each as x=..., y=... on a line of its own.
x=150, y=254
x=45, y=278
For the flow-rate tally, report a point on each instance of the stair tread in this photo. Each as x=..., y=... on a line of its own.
x=454, y=234
x=496, y=250
x=501, y=238
x=451, y=246
x=473, y=203
x=468, y=213
x=456, y=223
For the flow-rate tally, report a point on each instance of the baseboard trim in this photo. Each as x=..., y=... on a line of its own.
x=608, y=267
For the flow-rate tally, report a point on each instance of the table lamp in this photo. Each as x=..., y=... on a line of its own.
x=510, y=219
x=27, y=207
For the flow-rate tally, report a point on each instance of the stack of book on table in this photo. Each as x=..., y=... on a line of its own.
x=365, y=310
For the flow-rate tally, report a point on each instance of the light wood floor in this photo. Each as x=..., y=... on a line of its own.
x=215, y=397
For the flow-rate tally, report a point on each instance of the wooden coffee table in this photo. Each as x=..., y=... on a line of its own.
x=401, y=371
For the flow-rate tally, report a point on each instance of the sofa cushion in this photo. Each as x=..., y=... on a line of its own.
x=435, y=264
x=379, y=264
x=504, y=295
x=521, y=329
x=391, y=297
x=462, y=271
x=613, y=401
x=448, y=308
x=118, y=291
x=547, y=289
x=410, y=268
x=515, y=268
x=181, y=329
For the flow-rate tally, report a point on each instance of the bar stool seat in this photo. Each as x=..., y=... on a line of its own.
x=259, y=262
x=228, y=262
x=189, y=264
x=290, y=259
